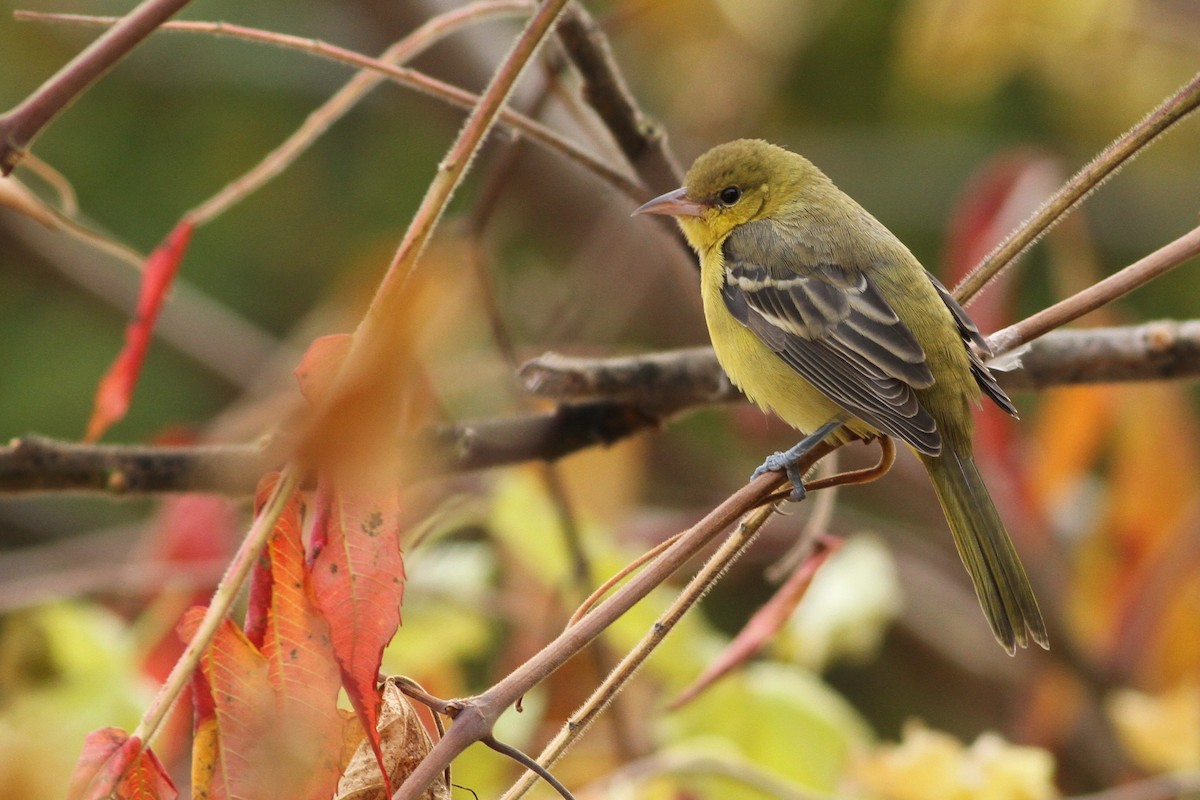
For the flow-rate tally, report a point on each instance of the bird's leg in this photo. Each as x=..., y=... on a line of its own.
x=787, y=461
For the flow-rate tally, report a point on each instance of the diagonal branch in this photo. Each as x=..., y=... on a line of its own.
x=477, y=715
x=1101, y=168
x=1117, y=285
x=642, y=140
x=19, y=126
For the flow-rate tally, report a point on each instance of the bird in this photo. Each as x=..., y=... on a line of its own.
x=819, y=314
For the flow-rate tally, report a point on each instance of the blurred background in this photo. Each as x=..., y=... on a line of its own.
x=925, y=111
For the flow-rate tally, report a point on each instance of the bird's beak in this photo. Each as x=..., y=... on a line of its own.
x=673, y=204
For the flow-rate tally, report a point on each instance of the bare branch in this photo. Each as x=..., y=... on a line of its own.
x=1102, y=167
x=629, y=395
x=1105, y=291
x=477, y=715
x=1153, y=351
x=329, y=112
x=716, y=566
x=39, y=464
x=642, y=140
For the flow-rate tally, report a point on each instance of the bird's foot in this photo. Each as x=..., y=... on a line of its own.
x=789, y=460
x=777, y=462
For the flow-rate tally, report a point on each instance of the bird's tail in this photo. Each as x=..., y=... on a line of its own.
x=986, y=550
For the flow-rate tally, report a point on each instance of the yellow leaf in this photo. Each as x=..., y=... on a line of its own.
x=1161, y=732
x=931, y=765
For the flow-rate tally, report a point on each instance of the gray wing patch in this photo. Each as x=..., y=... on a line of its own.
x=832, y=326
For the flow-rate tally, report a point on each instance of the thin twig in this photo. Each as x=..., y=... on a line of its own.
x=19, y=126
x=521, y=758
x=404, y=76
x=1098, y=294
x=1102, y=167
x=346, y=98
x=615, y=681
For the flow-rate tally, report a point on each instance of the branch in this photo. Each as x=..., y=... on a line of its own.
x=642, y=140
x=679, y=379
x=476, y=716
x=712, y=571
x=40, y=464
x=1162, y=350
x=627, y=396
x=19, y=126
x=1117, y=285
x=1100, y=169
x=353, y=91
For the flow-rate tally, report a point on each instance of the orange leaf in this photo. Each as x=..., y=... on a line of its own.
x=267, y=722
x=116, y=387
x=301, y=665
x=113, y=764
x=320, y=364
x=358, y=583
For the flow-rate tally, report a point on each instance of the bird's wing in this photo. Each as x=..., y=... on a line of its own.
x=831, y=325
x=970, y=335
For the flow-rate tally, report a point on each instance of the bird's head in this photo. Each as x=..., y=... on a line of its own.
x=732, y=184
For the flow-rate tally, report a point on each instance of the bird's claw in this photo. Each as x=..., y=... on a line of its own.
x=780, y=462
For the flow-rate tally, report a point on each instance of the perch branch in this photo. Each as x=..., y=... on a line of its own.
x=627, y=396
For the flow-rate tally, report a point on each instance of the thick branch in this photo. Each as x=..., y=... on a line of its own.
x=627, y=396
x=40, y=464
x=682, y=378
x=21, y=124
x=1153, y=351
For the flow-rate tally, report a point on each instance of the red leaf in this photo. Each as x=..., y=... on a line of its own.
x=99, y=748
x=147, y=779
x=301, y=665
x=267, y=722
x=765, y=623
x=116, y=387
x=113, y=764
x=358, y=584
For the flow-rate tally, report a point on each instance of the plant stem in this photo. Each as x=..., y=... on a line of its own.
x=1102, y=167
x=616, y=680
x=1114, y=286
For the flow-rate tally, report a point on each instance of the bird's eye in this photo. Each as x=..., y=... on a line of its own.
x=729, y=195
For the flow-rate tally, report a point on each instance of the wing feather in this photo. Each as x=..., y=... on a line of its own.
x=830, y=324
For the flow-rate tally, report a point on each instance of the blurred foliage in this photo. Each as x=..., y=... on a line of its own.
x=901, y=102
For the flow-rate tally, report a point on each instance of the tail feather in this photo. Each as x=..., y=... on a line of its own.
x=986, y=550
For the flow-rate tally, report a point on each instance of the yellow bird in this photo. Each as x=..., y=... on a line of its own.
x=819, y=314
